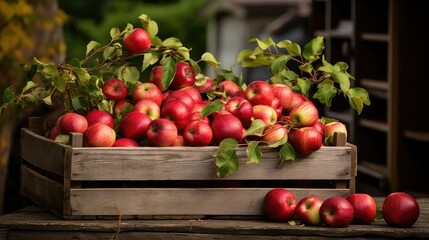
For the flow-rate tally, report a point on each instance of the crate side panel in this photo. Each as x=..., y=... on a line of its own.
x=43, y=191
x=42, y=152
x=182, y=163
x=179, y=201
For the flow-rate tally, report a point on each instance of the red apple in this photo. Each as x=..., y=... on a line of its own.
x=296, y=99
x=99, y=135
x=177, y=112
x=137, y=41
x=155, y=77
x=122, y=107
x=304, y=114
x=259, y=93
x=320, y=128
x=198, y=133
x=161, y=132
x=266, y=113
x=241, y=108
x=134, y=125
x=179, y=142
x=204, y=86
x=194, y=93
x=181, y=96
x=184, y=76
x=305, y=140
x=100, y=116
x=307, y=210
x=275, y=134
x=196, y=116
x=147, y=90
x=227, y=126
x=125, y=142
x=336, y=211
x=364, y=208
x=115, y=89
x=71, y=122
x=228, y=87
x=283, y=93
x=329, y=130
x=53, y=133
x=400, y=209
x=279, y=205
x=149, y=107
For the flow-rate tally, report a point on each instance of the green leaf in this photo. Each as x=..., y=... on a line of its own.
x=194, y=65
x=130, y=75
x=8, y=95
x=314, y=48
x=256, y=128
x=168, y=71
x=184, y=52
x=82, y=75
x=79, y=103
x=227, y=161
x=149, y=58
x=172, y=42
x=30, y=85
x=210, y=59
x=290, y=75
x=292, y=48
x=48, y=100
x=244, y=54
x=114, y=33
x=253, y=152
x=92, y=45
x=264, y=43
x=152, y=29
x=109, y=53
x=326, y=91
x=326, y=67
x=306, y=67
x=286, y=153
x=357, y=98
x=342, y=79
x=215, y=106
x=304, y=85
x=280, y=63
x=379, y=213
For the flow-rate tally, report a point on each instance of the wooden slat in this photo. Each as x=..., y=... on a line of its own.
x=179, y=201
x=187, y=163
x=41, y=190
x=42, y=152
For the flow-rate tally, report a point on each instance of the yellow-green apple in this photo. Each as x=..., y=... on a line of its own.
x=329, y=130
x=149, y=107
x=125, y=142
x=71, y=122
x=400, y=209
x=283, y=93
x=122, y=107
x=304, y=114
x=115, y=89
x=307, y=210
x=100, y=116
x=99, y=135
x=161, y=132
x=259, y=93
x=183, y=77
x=275, y=134
x=134, y=125
x=181, y=96
x=147, y=90
x=227, y=126
x=228, y=87
x=206, y=85
x=177, y=112
x=364, y=208
x=155, y=77
x=194, y=93
x=336, y=211
x=198, y=133
x=241, y=108
x=305, y=140
x=266, y=113
x=137, y=41
x=279, y=205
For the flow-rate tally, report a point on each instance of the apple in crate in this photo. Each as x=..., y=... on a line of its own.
x=100, y=116
x=329, y=130
x=155, y=77
x=283, y=93
x=307, y=210
x=305, y=114
x=274, y=134
x=134, y=125
x=182, y=96
x=228, y=87
x=147, y=90
x=198, y=133
x=279, y=205
x=194, y=93
x=259, y=93
x=115, y=89
x=336, y=211
x=400, y=209
x=161, y=132
x=241, y=108
x=125, y=142
x=149, y=107
x=137, y=41
x=364, y=208
x=266, y=113
x=305, y=140
x=177, y=112
x=204, y=85
x=183, y=77
x=99, y=135
x=71, y=122
x=227, y=126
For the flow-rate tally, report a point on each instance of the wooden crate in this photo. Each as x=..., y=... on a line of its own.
x=169, y=182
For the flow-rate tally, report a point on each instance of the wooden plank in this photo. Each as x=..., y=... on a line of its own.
x=43, y=152
x=3, y=233
x=41, y=190
x=179, y=201
x=189, y=163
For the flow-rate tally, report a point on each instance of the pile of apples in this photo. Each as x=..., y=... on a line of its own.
x=399, y=209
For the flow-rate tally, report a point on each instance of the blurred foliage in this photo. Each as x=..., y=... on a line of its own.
x=91, y=20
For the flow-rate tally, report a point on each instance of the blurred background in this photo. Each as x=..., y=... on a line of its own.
x=383, y=42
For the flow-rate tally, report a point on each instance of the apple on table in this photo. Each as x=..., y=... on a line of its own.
x=279, y=205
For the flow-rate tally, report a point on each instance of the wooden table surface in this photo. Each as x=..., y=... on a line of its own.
x=34, y=223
